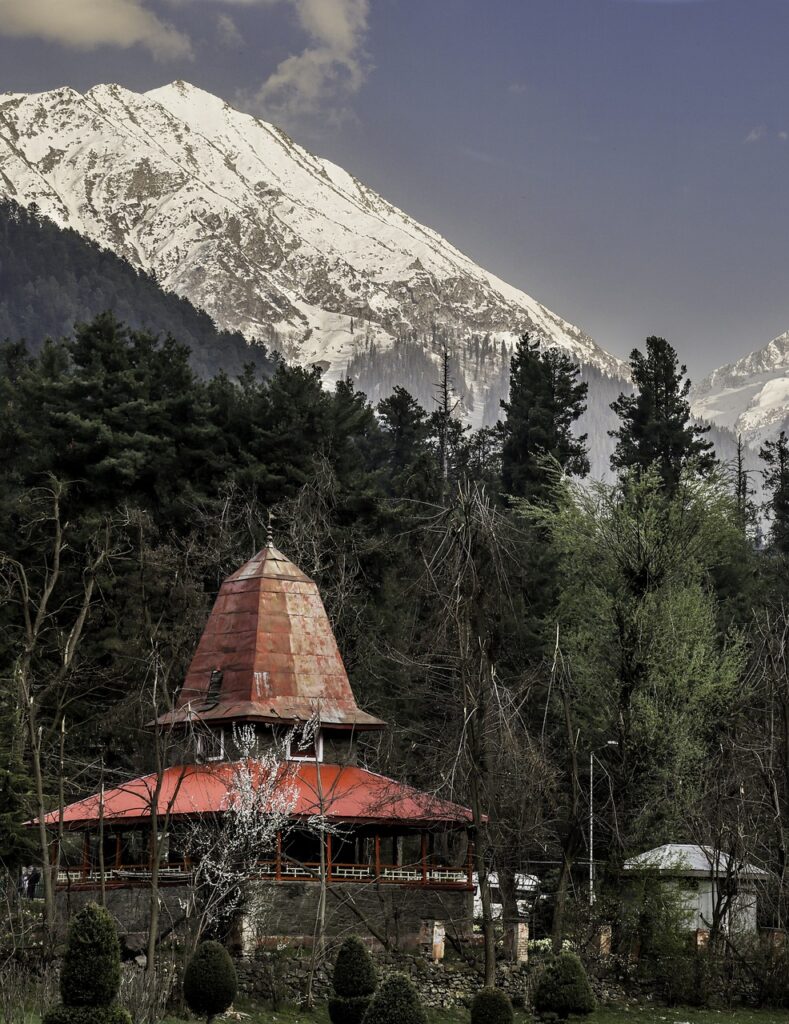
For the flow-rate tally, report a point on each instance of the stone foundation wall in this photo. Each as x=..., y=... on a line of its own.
x=130, y=906
x=283, y=914
x=392, y=915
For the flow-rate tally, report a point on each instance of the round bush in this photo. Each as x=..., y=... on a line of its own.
x=354, y=970
x=91, y=972
x=564, y=988
x=87, y=1015
x=395, y=1002
x=210, y=982
x=348, y=1009
x=491, y=1006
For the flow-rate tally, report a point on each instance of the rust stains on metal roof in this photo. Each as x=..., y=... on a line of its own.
x=268, y=654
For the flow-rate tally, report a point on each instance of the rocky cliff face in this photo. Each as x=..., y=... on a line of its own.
x=270, y=240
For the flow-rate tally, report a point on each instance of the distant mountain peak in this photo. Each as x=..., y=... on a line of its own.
x=749, y=396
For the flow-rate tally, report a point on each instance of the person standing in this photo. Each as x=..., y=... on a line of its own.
x=33, y=878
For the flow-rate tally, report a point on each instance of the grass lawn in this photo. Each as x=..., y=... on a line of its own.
x=634, y=1015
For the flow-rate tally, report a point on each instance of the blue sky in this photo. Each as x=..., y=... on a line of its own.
x=624, y=161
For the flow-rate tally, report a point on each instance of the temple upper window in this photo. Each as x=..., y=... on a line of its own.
x=305, y=747
x=210, y=744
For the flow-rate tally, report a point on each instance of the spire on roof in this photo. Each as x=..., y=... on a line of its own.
x=270, y=530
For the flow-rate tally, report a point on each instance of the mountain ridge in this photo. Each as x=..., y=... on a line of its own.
x=284, y=247
x=272, y=241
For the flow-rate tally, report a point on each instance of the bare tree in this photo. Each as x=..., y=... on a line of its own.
x=464, y=574
x=53, y=595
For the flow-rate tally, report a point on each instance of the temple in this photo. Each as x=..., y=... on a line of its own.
x=267, y=682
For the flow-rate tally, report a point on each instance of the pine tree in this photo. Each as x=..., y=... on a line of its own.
x=545, y=401
x=743, y=491
x=407, y=464
x=656, y=426
x=775, y=455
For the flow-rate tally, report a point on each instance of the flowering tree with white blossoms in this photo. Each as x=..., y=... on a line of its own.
x=227, y=849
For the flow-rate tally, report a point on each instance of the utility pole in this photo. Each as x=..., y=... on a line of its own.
x=592, y=753
x=591, y=828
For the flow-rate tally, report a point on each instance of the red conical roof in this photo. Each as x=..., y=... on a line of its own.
x=270, y=638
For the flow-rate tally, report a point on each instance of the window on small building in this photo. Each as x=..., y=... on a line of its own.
x=305, y=748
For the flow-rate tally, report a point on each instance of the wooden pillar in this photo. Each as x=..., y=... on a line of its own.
x=328, y=857
x=278, y=870
x=86, y=853
x=424, y=858
x=118, y=851
x=377, y=855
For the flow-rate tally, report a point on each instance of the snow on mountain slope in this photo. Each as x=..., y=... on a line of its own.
x=272, y=241
x=751, y=396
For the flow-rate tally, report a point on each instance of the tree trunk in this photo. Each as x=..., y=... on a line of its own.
x=46, y=866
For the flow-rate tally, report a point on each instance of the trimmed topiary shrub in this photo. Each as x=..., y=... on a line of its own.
x=491, y=1006
x=354, y=970
x=88, y=1015
x=396, y=1002
x=355, y=979
x=91, y=972
x=348, y=1009
x=564, y=988
x=210, y=982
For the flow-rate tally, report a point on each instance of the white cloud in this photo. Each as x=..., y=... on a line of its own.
x=228, y=33
x=87, y=24
x=783, y=136
x=756, y=134
x=329, y=70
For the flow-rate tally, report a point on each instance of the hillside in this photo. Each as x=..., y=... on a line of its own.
x=51, y=278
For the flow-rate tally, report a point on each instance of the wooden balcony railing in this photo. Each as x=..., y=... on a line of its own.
x=281, y=870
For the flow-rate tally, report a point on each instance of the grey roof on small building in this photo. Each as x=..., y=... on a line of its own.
x=690, y=860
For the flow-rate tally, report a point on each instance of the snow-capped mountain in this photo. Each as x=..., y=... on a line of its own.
x=272, y=241
x=749, y=397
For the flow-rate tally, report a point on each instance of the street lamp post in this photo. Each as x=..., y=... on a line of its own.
x=592, y=753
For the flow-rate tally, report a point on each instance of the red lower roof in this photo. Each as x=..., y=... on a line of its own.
x=349, y=794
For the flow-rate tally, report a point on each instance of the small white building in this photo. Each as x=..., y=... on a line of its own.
x=703, y=874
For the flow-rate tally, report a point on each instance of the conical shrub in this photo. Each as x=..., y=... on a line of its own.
x=491, y=1006
x=564, y=988
x=395, y=1002
x=210, y=982
x=355, y=979
x=354, y=970
x=91, y=972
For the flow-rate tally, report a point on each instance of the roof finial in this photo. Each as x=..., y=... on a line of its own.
x=270, y=530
